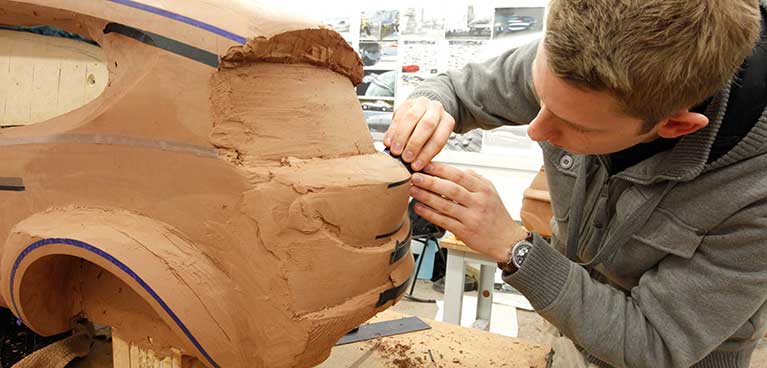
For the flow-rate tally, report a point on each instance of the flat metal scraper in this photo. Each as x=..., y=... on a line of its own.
x=386, y=328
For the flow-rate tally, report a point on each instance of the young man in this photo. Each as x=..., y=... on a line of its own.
x=651, y=118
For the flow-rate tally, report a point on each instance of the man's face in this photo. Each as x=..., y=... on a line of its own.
x=580, y=121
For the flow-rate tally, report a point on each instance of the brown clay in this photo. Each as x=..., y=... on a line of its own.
x=239, y=214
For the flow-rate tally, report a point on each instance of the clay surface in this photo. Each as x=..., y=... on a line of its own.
x=321, y=47
x=239, y=214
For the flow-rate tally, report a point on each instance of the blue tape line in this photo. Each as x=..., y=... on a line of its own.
x=183, y=19
x=120, y=265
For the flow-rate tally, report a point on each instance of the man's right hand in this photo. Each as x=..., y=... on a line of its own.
x=419, y=130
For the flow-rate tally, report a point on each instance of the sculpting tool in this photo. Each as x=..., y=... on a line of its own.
x=381, y=329
x=399, y=158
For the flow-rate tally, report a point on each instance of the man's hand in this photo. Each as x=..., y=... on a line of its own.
x=467, y=205
x=419, y=130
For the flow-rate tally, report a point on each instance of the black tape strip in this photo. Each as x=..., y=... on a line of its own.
x=397, y=184
x=393, y=293
x=399, y=158
x=391, y=233
x=12, y=184
x=401, y=249
x=167, y=44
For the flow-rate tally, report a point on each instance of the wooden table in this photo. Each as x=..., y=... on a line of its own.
x=450, y=346
x=457, y=255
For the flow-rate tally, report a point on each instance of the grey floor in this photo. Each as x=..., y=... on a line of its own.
x=529, y=322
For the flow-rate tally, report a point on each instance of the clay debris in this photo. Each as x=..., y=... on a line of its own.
x=320, y=47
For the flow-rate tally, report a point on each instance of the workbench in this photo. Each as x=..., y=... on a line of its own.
x=457, y=255
x=451, y=347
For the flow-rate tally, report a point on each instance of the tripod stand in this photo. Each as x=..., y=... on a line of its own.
x=423, y=232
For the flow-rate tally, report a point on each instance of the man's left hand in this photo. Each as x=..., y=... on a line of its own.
x=467, y=205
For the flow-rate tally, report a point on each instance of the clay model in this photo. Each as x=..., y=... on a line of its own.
x=222, y=197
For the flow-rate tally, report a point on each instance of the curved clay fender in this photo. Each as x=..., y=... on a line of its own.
x=239, y=213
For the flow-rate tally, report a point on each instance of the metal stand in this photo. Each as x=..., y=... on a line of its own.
x=425, y=241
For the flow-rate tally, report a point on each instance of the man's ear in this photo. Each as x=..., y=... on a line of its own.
x=683, y=123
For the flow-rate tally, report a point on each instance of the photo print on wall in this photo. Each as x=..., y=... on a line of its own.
x=517, y=21
x=469, y=20
x=379, y=25
x=423, y=23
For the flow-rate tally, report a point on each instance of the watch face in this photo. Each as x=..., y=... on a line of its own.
x=520, y=253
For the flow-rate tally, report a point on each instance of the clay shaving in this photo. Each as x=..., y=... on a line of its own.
x=320, y=47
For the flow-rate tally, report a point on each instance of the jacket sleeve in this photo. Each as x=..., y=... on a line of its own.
x=487, y=95
x=680, y=311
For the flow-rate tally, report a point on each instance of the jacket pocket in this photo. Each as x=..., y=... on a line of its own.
x=663, y=231
x=663, y=234
x=666, y=233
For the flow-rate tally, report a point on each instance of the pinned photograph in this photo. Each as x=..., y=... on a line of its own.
x=378, y=113
x=378, y=83
x=379, y=54
x=469, y=20
x=420, y=56
x=379, y=25
x=462, y=52
x=517, y=21
x=342, y=25
x=423, y=22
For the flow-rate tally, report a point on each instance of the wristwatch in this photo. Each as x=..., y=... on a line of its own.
x=517, y=255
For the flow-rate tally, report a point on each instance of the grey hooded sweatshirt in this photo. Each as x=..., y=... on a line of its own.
x=667, y=261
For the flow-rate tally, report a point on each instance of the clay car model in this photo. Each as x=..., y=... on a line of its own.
x=221, y=199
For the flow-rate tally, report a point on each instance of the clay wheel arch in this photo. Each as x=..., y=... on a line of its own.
x=246, y=239
x=62, y=263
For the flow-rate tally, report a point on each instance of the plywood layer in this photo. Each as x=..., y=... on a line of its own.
x=44, y=76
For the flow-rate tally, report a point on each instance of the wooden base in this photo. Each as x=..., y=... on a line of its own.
x=130, y=355
x=450, y=346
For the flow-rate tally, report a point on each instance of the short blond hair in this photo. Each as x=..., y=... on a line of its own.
x=655, y=56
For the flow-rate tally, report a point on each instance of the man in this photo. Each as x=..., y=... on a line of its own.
x=655, y=145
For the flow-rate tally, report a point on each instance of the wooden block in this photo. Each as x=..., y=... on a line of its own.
x=536, y=210
x=120, y=352
x=129, y=355
x=451, y=242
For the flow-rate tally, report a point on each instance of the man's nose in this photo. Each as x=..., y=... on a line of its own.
x=542, y=127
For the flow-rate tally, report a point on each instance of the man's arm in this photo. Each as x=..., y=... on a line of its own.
x=496, y=92
x=679, y=312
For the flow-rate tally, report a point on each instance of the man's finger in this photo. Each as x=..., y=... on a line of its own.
x=438, y=203
x=423, y=131
x=452, y=191
x=393, y=125
x=405, y=124
x=445, y=222
x=449, y=173
x=436, y=143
